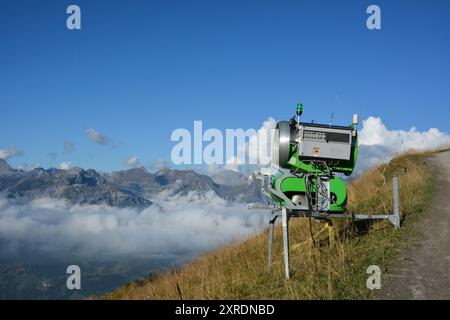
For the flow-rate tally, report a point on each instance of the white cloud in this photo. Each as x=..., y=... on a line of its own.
x=134, y=162
x=232, y=164
x=374, y=132
x=66, y=165
x=260, y=145
x=258, y=149
x=96, y=136
x=10, y=152
x=157, y=165
x=179, y=226
x=379, y=144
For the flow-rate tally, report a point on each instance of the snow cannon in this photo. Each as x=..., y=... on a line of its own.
x=306, y=158
x=308, y=162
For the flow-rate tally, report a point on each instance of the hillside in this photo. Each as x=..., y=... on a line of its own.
x=335, y=270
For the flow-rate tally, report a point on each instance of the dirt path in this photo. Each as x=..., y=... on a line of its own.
x=422, y=271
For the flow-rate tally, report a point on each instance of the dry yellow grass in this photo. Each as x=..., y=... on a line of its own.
x=326, y=271
x=371, y=192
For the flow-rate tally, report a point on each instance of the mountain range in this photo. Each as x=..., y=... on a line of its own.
x=128, y=188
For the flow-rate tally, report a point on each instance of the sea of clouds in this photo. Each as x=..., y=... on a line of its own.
x=178, y=227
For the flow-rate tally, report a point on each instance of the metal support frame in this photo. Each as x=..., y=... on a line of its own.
x=272, y=220
x=285, y=224
x=286, y=214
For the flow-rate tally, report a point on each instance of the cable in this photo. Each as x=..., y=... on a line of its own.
x=318, y=201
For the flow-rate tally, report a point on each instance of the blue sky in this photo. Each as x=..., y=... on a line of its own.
x=137, y=70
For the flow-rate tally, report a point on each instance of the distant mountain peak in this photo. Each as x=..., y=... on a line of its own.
x=161, y=172
x=127, y=188
x=5, y=168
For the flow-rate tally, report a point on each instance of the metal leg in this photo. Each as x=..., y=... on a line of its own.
x=271, y=231
x=396, y=202
x=285, y=223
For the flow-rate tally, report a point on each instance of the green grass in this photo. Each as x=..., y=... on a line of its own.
x=335, y=270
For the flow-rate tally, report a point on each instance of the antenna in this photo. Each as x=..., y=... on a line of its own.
x=299, y=113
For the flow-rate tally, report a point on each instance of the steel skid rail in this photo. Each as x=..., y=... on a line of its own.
x=289, y=211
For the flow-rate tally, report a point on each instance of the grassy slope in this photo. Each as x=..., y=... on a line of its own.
x=320, y=271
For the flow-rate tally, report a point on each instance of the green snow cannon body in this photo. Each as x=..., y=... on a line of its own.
x=307, y=156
